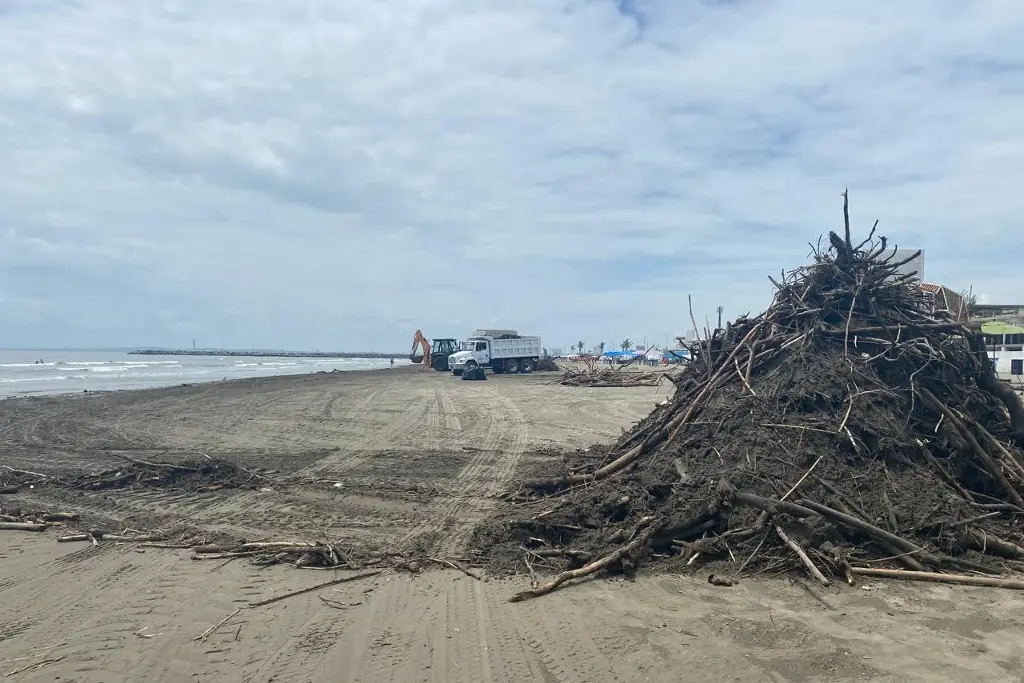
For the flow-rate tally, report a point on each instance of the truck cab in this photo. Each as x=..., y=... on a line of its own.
x=471, y=350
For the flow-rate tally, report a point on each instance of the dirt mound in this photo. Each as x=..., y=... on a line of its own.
x=846, y=429
x=207, y=474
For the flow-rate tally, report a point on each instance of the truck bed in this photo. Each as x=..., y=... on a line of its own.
x=524, y=347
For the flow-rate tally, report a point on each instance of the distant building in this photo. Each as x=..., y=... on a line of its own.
x=1011, y=311
x=1004, y=342
x=1004, y=335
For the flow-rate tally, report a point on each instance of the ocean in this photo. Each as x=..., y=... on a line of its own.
x=74, y=371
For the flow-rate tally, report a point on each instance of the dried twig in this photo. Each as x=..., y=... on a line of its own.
x=811, y=569
x=344, y=579
x=641, y=539
x=209, y=631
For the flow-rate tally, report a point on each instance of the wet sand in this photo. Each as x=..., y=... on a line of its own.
x=409, y=458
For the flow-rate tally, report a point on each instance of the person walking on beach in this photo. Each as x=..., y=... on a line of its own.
x=392, y=362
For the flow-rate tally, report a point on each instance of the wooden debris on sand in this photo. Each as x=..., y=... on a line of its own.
x=849, y=430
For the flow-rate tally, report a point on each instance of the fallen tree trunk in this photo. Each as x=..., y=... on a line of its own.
x=22, y=526
x=962, y=579
x=643, y=535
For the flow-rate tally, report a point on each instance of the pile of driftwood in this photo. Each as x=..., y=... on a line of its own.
x=845, y=431
x=16, y=519
x=609, y=377
x=207, y=474
x=305, y=555
x=14, y=481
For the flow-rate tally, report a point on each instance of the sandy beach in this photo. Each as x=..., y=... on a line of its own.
x=408, y=459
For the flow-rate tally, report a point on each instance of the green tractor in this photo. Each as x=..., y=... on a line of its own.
x=440, y=349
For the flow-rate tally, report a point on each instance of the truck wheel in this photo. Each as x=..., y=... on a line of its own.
x=512, y=365
x=440, y=363
x=471, y=366
x=526, y=366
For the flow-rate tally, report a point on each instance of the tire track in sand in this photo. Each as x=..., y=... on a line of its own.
x=483, y=477
x=411, y=411
x=451, y=417
x=439, y=627
x=240, y=510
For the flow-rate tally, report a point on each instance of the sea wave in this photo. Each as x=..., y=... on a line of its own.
x=268, y=364
x=26, y=365
x=54, y=378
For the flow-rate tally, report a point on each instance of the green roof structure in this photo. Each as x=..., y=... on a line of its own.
x=1000, y=327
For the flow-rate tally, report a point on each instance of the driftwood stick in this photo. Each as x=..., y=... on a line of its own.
x=28, y=472
x=209, y=631
x=842, y=497
x=971, y=520
x=645, y=529
x=299, y=546
x=354, y=577
x=1007, y=456
x=529, y=568
x=60, y=517
x=811, y=569
x=455, y=564
x=861, y=525
x=774, y=507
x=34, y=666
x=897, y=552
x=963, y=579
x=578, y=555
x=941, y=471
x=801, y=479
x=890, y=539
x=157, y=465
x=22, y=526
x=993, y=545
x=224, y=556
x=990, y=463
x=74, y=538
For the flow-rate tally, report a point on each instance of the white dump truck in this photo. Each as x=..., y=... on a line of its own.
x=499, y=350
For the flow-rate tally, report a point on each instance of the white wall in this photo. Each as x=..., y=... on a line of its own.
x=1003, y=358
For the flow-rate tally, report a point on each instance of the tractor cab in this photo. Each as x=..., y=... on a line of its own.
x=441, y=348
x=444, y=347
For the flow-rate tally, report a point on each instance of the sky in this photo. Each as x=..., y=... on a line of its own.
x=336, y=175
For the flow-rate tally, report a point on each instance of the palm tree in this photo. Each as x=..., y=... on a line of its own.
x=579, y=346
x=720, y=309
x=601, y=346
x=626, y=344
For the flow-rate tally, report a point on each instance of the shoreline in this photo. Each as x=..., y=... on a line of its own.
x=212, y=383
x=258, y=353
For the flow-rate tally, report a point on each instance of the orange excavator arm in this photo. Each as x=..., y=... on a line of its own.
x=421, y=341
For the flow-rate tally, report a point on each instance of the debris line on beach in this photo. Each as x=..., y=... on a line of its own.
x=846, y=430
x=609, y=377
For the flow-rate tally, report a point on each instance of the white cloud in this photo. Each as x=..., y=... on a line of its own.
x=325, y=174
